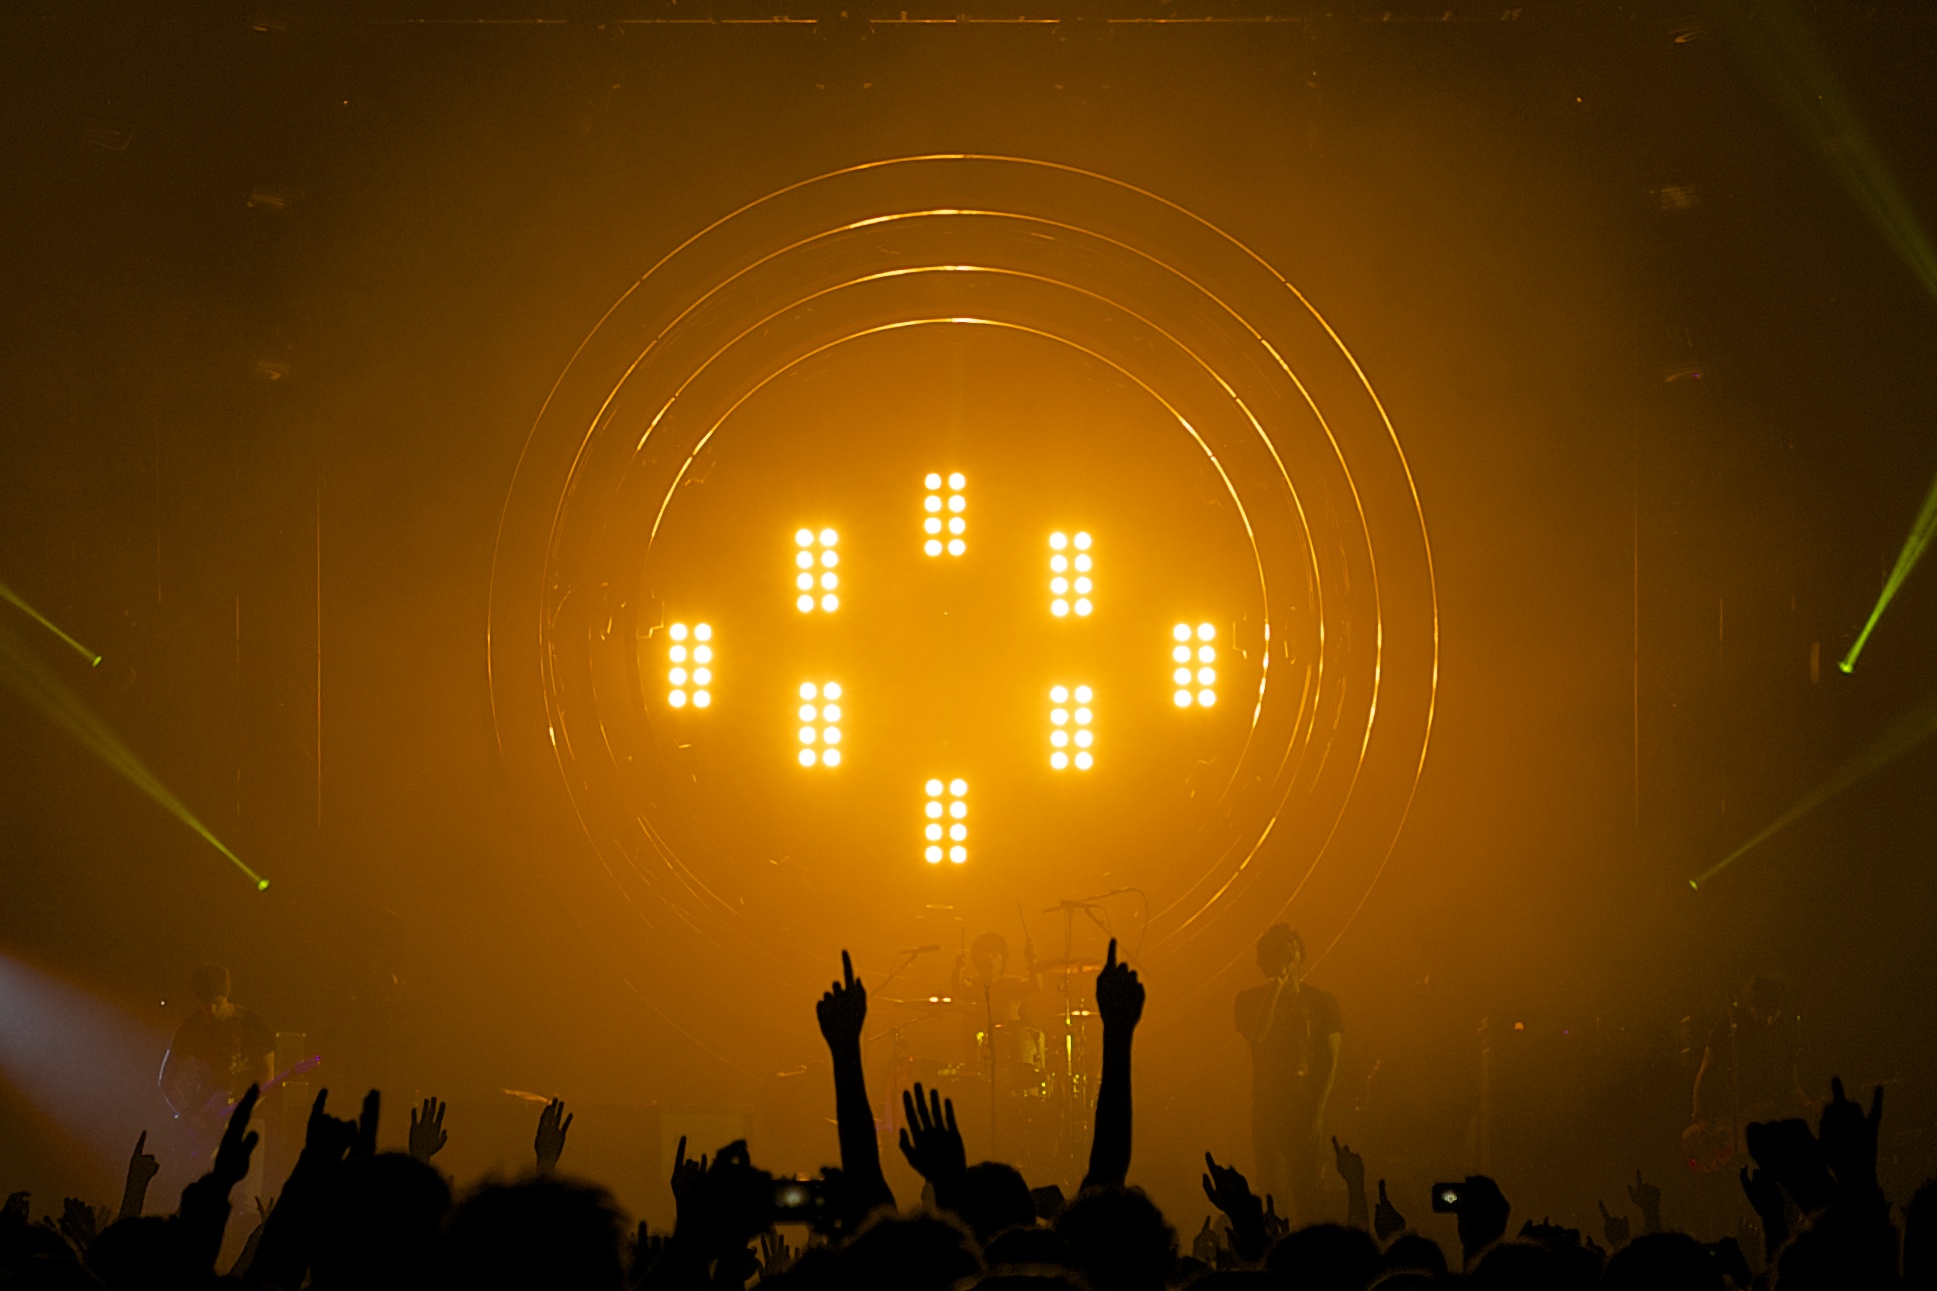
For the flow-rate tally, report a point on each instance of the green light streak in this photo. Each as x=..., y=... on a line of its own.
x=36, y=683
x=1896, y=739
x=1779, y=42
x=13, y=598
x=1913, y=551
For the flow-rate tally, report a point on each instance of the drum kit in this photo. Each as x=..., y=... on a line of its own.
x=1024, y=1053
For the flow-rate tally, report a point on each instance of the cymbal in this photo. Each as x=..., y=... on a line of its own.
x=922, y=1003
x=1068, y=967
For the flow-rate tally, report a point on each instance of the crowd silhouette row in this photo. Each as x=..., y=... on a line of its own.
x=349, y=1216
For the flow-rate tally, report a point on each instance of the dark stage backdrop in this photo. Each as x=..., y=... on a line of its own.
x=286, y=291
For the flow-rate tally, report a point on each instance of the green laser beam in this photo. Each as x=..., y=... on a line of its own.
x=13, y=598
x=1913, y=551
x=36, y=683
x=1896, y=739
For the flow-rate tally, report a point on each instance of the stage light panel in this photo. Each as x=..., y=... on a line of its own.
x=819, y=732
x=817, y=553
x=946, y=800
x=688, y=673
x=1071, y=727
x=944, y=496
x=1071, y=576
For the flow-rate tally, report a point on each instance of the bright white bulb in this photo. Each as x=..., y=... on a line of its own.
x=704, y=632
x=1206, y=654
x=933, y=481
x=958, y=809
x=804, y=559
x=957, y=525
x=1181, y=677
x=829, y=537
x=933, y=546
x=804, y=602
x=932, y=524
x=1059, y=760
x=957, y=833
x=831, y=735
x=677, y=676
x=934, y=833
x=1059, y=717
x=1058, y=541
x=809, y=713
x=832, y=757
x=701, y=699
x=932, y=502
x=1083, y=716
x=830, y=602
x=1206, y=698
x=1060, y=586
x=808, y=757
x=957, y=503
x=1181, y=654
x=1082, y=542
x=1059, y=694
x=677, y=654
x=702, y=676
x=808, y=690
x=832, y=690
x=677, y=699
x=808, y=735
x=1057, y=564
x=703, y=654
x=1083, y=608
x=957, y=481
x=958, y=788
x=830, y=558
x=1059, y=608
x=1181, y=632
x=1084, y=694
x=830, y=581
x=678, y=632
x=1083, y=564
x=832, y=713
x=1205, y=632
x=934, y=811
x=804, y=582
x=1084, y=761
x=1207, y=676
x=1084, y=739
x=934, y=788
x=957, y=854
x=805, y=537
x=1058, y=738
x=1182, y=699
x=934, y=855
x=956, y=546
x=1083, y=586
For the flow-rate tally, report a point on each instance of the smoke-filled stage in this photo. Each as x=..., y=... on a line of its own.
x=1176, y=644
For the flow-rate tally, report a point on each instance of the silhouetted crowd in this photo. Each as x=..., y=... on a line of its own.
x=349, y=1216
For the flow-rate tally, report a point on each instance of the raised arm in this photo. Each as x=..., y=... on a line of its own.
x=1119, y=998
x=843, y=1011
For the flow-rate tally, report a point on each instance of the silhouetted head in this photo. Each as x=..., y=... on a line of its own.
x=127, y=1252
x=1043, y=1279
x=548, y=1233
x=50, y=1273
x=993, y=1197
x=1027, y=1248
x=1663, y=1262
x=1413, y=1251
x=1280, y=949
x=1518, y=1265
x=1844, y=1246
x=990, y=955
x=1920, y=1239
x=1119, y=1240
x=209, y=983
x=911, y=1253
x=1240, y=1280
x=1325, y=1257
x=380, y=1222
x=31, y=1251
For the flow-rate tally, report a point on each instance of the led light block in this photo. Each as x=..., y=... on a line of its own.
x=1194, y=655
x=689, y=676
x=1072, y=584
x=819, y=730
x=816, y=561
x=944, y=514
x=945, y=822
x=1071, y=722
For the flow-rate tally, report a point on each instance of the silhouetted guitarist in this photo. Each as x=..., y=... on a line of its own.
x=217, y=1053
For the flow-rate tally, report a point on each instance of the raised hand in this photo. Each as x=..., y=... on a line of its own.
x=327, y=1138
x=142, y=1170
x=1119, y=995
x=78, y=1223
x=238, y=1143
x=1615, y=1228
x=427, y=1137
x=366, y=1125
x=1387, y=1222
x=550, y=1141
x=1231, y=1193
x=1849, y=1139
x=1483, y=1214
x=930, y=1140
x=844, y=1008
x=1765, y=1198
x=688, y=1175
x=1351, y=1166
x=1647, y=1199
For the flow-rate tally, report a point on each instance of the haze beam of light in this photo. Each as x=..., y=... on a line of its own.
x=1789, y=58
x=1898, y=738
x=13, y=598
x=36, y=683
x=1913, y=551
